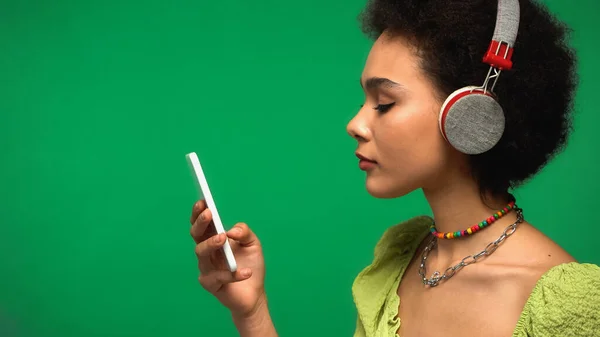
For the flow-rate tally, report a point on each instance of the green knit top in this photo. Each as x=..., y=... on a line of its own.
x=564, y=302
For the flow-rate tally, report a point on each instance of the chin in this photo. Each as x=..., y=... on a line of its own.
x=385, y=189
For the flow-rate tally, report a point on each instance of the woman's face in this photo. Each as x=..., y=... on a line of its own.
x=397, y=127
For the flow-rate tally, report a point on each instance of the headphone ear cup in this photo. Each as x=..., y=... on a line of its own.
x=471, y=120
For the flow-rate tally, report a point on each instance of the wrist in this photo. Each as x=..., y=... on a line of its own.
x=256, y=322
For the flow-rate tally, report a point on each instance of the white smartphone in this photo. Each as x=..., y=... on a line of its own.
x=204, y=190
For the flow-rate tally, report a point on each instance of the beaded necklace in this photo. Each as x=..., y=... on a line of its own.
x=473, y=229
x=438, y=277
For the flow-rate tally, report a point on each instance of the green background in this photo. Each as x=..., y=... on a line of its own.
x=101, y=100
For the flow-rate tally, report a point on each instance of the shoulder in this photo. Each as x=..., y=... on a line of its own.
x=400, y=239
x=565, y=301
x=374, y=288
x=396, y=245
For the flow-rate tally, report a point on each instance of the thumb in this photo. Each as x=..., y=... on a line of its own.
x=242, y=234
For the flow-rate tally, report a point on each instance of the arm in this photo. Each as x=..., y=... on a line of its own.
x=257, y=324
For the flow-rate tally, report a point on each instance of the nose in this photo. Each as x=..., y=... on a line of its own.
x=358, y=128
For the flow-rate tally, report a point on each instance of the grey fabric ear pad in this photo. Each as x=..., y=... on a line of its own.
x=473, y=124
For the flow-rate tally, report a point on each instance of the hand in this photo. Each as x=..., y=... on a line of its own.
x=242, y=292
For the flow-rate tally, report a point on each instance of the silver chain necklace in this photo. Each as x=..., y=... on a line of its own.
x=436, y=278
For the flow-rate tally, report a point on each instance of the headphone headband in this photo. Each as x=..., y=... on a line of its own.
x=500, y=51
x=471, y=118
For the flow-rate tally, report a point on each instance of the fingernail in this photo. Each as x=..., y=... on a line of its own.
x=245, y=273
x=217, y=238
x=202, y=216
x=236, y=230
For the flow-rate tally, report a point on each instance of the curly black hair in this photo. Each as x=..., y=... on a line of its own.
x=451, y=37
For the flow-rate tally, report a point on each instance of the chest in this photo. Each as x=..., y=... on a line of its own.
x=458, y=307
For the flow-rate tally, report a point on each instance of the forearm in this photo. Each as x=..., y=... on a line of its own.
x=257, y=324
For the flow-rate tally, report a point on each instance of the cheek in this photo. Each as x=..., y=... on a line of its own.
x=412, y=151
x=411, y=138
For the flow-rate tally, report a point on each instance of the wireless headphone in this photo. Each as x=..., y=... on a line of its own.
x=471, y=119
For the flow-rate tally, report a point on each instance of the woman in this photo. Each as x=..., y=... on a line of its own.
x=477, y=267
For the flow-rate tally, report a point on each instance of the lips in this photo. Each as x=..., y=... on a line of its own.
x=365, y=163
x=361, y=157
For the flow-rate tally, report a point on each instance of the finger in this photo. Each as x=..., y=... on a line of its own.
x=243, y=235
x=214, y=280
x=198, y=207
x=198, y=230
x=205, y=248
x=216, y=260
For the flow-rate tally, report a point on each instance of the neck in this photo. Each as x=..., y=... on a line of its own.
x=458, y=205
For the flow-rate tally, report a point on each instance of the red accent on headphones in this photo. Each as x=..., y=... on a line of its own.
x=495, y=57
x=454, y=100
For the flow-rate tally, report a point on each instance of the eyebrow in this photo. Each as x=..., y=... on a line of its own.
x=378, y=82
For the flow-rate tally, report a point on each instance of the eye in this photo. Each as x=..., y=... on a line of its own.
x=383, y=108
